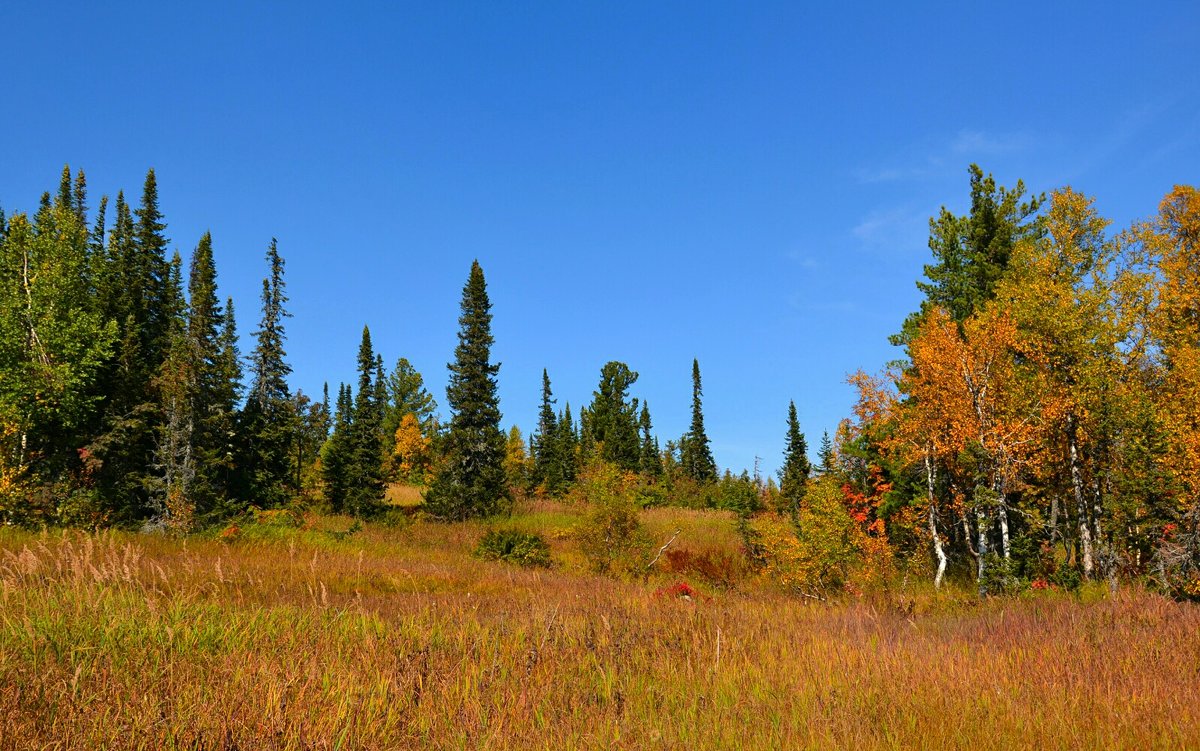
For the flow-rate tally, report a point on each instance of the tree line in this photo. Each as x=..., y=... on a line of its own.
x=124, y=398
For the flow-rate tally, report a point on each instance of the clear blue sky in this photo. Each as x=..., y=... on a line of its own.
x=748, y=184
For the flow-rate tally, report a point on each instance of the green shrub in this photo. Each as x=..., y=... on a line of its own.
x=610, y=534
x=513, y=546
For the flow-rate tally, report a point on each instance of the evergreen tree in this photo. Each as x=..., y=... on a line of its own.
x=267, y=418
x=545, y=444
x=611, y=422
x=793, y=476
x=211, y=405
x=364, y=471
x=337, y=453
x=826, y=455
x=176, y=385
x=695, y=455
x=650, y=462
x=568, y=446
x=151, y=247
x=472, y=480
x=973, y=251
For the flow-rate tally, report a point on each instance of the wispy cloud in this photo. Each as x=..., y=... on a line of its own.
x=901, y=228
x=941, y=159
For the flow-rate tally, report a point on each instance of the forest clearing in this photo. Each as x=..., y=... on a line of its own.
x=316, y=632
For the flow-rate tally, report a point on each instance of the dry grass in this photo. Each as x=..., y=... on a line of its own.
x=403, y=495
x=399, y=639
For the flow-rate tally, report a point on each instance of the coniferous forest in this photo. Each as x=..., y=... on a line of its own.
x=1034, y=449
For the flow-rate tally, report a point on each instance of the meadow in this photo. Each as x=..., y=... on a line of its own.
x=317, y=632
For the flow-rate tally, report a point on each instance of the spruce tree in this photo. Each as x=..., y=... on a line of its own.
x=176, y=385
x=364, y=471
x=695, y=455
x=151, y=265
x=267, y=418
x=611, y=422
x=211, y=402
x=826, y=455
x=568, y=446
x=793, y=476
x=544, y=444
x=650, y=464
x=471, y=481
x=336, y=453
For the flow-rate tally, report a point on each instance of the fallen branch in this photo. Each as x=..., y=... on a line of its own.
x=663, y=548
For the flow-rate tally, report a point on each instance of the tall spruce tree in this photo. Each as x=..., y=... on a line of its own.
x=176, y=385
x=568, y=446
x=545, y=444
x=695, y=455
x=267, y=418
x=337, y=452
x=793, y=476
x=650, y=463
x=364, y=471
x=211, y=405
x=471, y=481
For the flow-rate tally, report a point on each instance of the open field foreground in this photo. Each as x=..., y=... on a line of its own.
x=328, y=636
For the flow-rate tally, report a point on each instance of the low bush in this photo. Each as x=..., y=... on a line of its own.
x=513, y=546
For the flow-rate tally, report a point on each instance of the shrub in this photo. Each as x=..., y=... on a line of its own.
x=610, y=534
x=513, y=546
x=822, y=550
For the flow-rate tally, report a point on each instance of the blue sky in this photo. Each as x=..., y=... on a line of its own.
x=747, y=184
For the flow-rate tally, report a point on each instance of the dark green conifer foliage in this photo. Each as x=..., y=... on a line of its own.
x=610, y=424
x=80, y=197
x=568, y=446
x=793, y=476
x=337, y=453
x=545, y=444
x=211, y=402
x=650, y=462
x=696, y=457
x=364, y=471
x=825, y=454
x=972, y=251
x=472, y=480
x=176, y=385
x=268, y=421
x=151, y=267
x=66, y=196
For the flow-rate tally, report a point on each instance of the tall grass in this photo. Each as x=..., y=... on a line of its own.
x=391, y=638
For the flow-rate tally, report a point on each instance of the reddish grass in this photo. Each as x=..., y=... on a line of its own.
x=399, y=639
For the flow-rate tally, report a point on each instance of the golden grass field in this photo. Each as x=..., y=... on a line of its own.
x=319, y=637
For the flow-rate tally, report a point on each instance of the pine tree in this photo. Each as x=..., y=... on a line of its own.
x=695, y=455
x=472, y=481
x=267, y=419
x=793, y=476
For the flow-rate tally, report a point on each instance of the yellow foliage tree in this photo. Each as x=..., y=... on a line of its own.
x=411, y=457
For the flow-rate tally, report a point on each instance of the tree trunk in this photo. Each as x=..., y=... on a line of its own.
x=1085, y=530
x=933, y=531
x=981, y=532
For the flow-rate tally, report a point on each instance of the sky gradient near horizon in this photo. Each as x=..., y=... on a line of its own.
x=746, y=184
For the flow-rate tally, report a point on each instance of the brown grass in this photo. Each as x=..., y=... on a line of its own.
x=296, y=639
